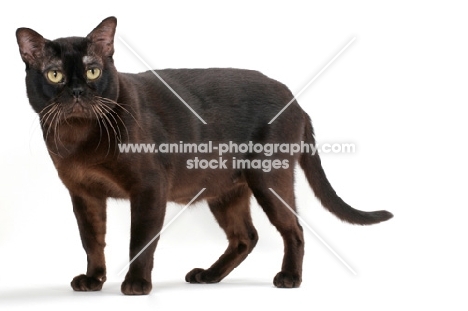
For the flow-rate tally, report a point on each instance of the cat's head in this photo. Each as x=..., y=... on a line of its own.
x=73, y=75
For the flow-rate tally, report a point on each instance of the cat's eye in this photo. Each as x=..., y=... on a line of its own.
x=55, y=76
x=93, y=73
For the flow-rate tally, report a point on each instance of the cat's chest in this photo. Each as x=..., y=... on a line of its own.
x=90, y=179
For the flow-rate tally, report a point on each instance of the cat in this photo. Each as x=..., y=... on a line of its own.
x=87, y=109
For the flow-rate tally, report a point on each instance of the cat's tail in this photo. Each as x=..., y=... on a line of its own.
x=323, y=190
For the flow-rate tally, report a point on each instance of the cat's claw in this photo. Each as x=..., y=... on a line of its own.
x=83, y=283
x=287, y=280
x=136, y=286
x=200, y=276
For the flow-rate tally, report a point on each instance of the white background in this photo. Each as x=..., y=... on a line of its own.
x=398, y=93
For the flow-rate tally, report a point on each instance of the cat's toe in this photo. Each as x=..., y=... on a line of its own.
x=199, y=276
x=191, y=277
x=136, y=286
x=83, y=283
x=287, y=280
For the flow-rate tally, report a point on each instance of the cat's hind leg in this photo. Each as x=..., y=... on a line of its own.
x=282, y=182
x=232, y=211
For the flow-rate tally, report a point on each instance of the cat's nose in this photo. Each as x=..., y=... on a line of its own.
x=77, y=91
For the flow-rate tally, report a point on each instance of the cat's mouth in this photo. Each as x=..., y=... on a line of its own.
x=85, y=109
x=58, y=113
x=80, y=110
x=97, y=108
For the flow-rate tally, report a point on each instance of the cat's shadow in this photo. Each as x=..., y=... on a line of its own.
x=49, y=293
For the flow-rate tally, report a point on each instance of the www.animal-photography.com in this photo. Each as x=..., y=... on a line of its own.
x=265, y=154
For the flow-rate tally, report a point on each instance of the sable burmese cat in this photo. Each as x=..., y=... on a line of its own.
x=86, y=108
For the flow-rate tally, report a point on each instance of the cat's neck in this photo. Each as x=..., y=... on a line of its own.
x=72, y=137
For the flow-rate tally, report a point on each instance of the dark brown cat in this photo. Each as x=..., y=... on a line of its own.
x=87, y=109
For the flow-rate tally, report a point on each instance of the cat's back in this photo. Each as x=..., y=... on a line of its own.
x=243, y=101
x=212, y=78
x=220, y=88
x=228, y=86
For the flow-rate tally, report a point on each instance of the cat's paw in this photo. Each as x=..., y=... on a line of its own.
x=136, y=286
x=199, y=276
x=83, y=283
x=287, y=280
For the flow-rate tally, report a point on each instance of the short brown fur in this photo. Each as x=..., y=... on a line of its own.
x=84, y=120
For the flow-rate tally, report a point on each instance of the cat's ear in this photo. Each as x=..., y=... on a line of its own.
x=102, y=37
x=31, y=45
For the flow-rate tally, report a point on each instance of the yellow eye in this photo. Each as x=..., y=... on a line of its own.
x=55, y=76
x=93, y=73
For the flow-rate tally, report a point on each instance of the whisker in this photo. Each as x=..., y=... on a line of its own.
x=55, y=120
x=133, y=117
x=121, y=121
x=62, y=116
x=98, y=120
x=112, y=126
x=109, y=112
x=107, y=129
x=45, y=124
x=46, y=131
x=51, y=104
x=48, y=113
x=110, y=101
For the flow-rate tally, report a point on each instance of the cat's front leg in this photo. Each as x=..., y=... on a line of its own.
x=148, y=208
x=90, y=214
